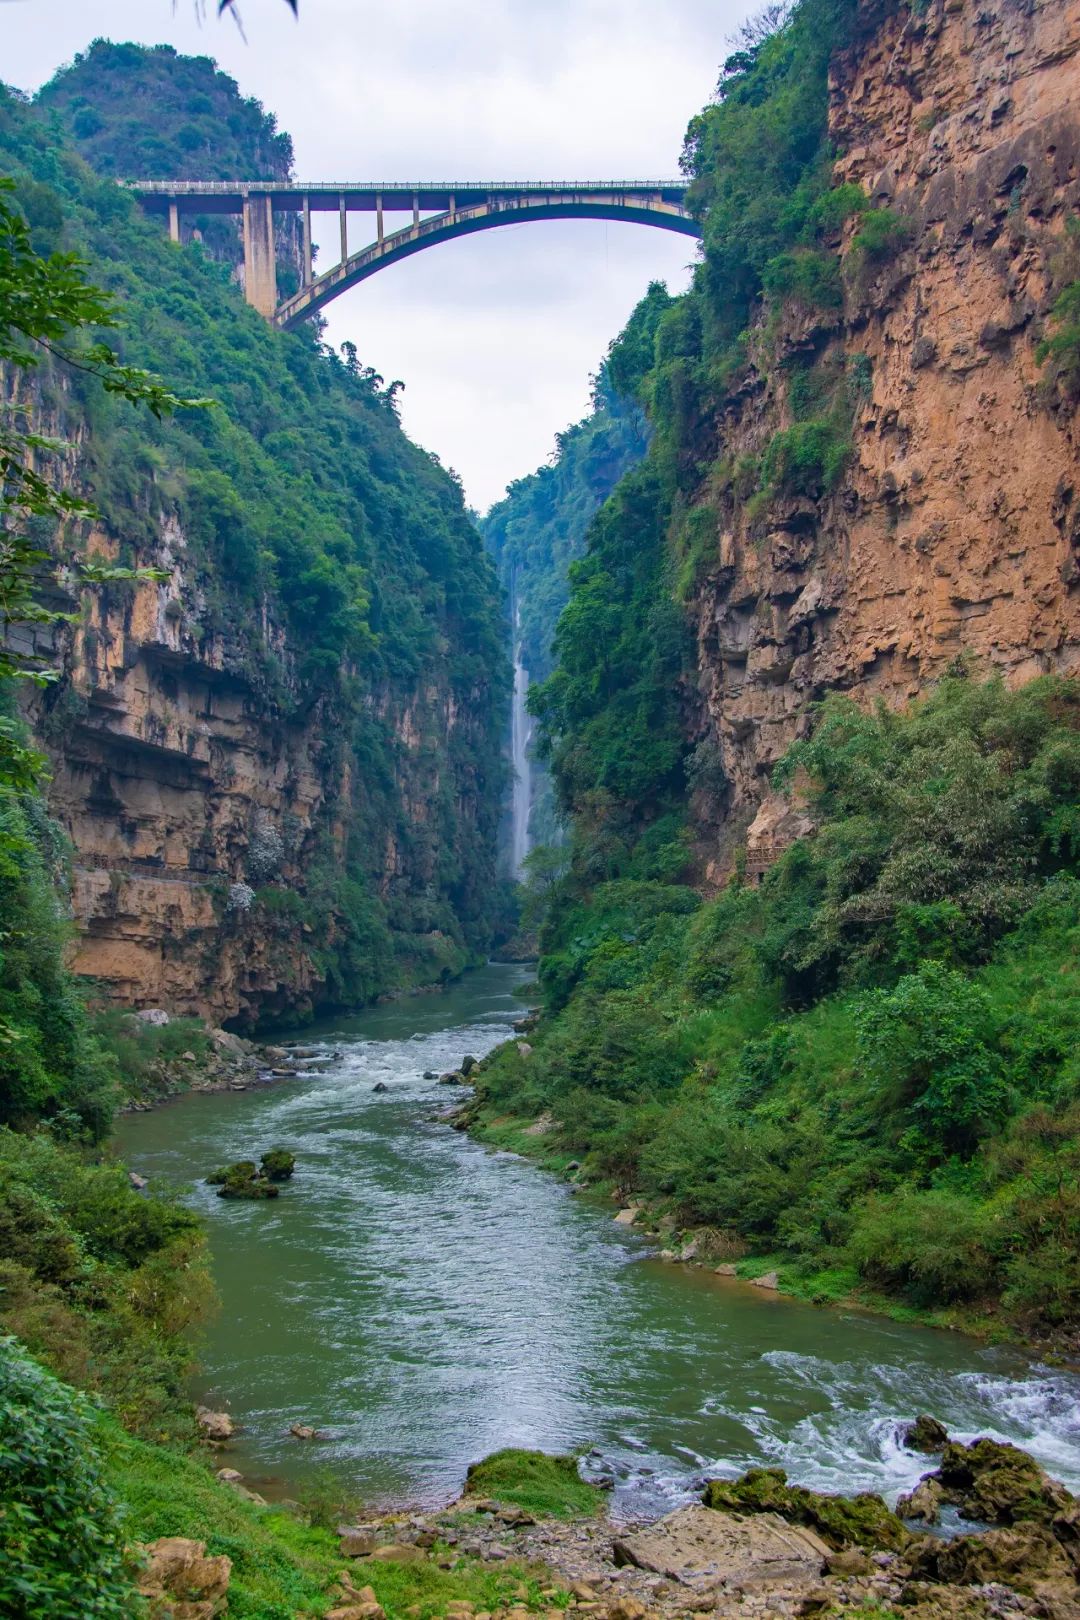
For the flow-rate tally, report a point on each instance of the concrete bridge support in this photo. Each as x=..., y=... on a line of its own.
x=260, y=264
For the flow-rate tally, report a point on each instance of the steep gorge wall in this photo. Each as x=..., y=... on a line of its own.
x=193, y=801
x=278, y=763
x=954, y=530
x=204, y=812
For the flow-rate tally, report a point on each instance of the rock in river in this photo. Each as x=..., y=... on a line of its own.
x=214, y=1425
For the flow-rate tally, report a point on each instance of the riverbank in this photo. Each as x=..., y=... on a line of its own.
x=539, y=1140
x=545, y=1546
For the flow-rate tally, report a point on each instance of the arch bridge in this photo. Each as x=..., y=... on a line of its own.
x=440, y=211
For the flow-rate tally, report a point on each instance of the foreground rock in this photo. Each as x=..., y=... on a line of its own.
x=702, y=1548
x=841, y=1521
x=180, y=1582
x=989, y=1482
x=758, y=1548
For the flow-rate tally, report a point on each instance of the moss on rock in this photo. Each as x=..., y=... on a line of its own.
x=838, y=1520
x=278, y=1164
x=536, y=1481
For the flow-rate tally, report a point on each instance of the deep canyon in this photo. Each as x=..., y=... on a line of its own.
x=748, y=724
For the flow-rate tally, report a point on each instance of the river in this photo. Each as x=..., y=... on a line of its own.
x=425, y=1300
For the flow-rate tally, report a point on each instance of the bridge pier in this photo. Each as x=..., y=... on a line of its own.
x=307, y=243
x=260, y=263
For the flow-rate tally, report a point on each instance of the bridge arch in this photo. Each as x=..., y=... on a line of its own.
x=658, y=212
x=454, y=209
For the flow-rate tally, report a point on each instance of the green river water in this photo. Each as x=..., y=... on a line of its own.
x=424, y=1301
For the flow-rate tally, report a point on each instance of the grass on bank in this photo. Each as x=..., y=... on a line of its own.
x=548, y=1486
x=284, y=1567
x=78, y=1494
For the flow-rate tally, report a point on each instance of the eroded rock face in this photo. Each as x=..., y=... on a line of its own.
x=956, y=529
x=185, y=785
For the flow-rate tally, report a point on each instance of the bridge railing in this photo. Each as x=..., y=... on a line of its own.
x=198, y=188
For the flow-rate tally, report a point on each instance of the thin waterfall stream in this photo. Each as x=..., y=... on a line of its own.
x=520, y=738
x=423, y=1300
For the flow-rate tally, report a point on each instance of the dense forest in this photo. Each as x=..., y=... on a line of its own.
x=862, y=1070
x=145, y=113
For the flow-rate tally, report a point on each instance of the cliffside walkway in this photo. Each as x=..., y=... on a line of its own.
x=449, y=208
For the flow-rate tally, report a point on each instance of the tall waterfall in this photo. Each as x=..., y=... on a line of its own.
x=520, y=734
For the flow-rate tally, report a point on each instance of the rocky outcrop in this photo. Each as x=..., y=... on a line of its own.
x=955, y=529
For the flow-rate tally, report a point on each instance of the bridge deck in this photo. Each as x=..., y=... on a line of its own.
x=228, y=196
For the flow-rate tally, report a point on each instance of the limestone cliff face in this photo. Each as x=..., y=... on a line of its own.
x=955, y=529
x=193, y=799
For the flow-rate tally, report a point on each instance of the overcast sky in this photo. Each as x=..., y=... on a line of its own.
x=494, y=335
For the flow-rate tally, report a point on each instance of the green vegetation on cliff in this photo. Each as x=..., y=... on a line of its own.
x=538, y=530
x=863, y=1070
x=169, y=109
x=147, y=113
x=867, y=1064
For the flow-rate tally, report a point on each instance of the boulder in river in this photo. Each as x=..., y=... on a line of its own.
x=992, y=1482
x=921, y=1503
x=380, y=1085
x=925, y=1434
x=238, y=1185
x=245, y=1179
x=468, y=1064
x=243, y=1168
x=278, y=1164
x=214, y=1425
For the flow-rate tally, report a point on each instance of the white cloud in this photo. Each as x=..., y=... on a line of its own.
x=494, y=335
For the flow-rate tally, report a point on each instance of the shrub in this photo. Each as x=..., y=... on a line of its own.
x=927, y=1049
x=936, y=1246
x=61, y=1546
x=1062, y=348
x=882, y=234
x=104, y=1284
x=808, y=457
x=810, y=276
